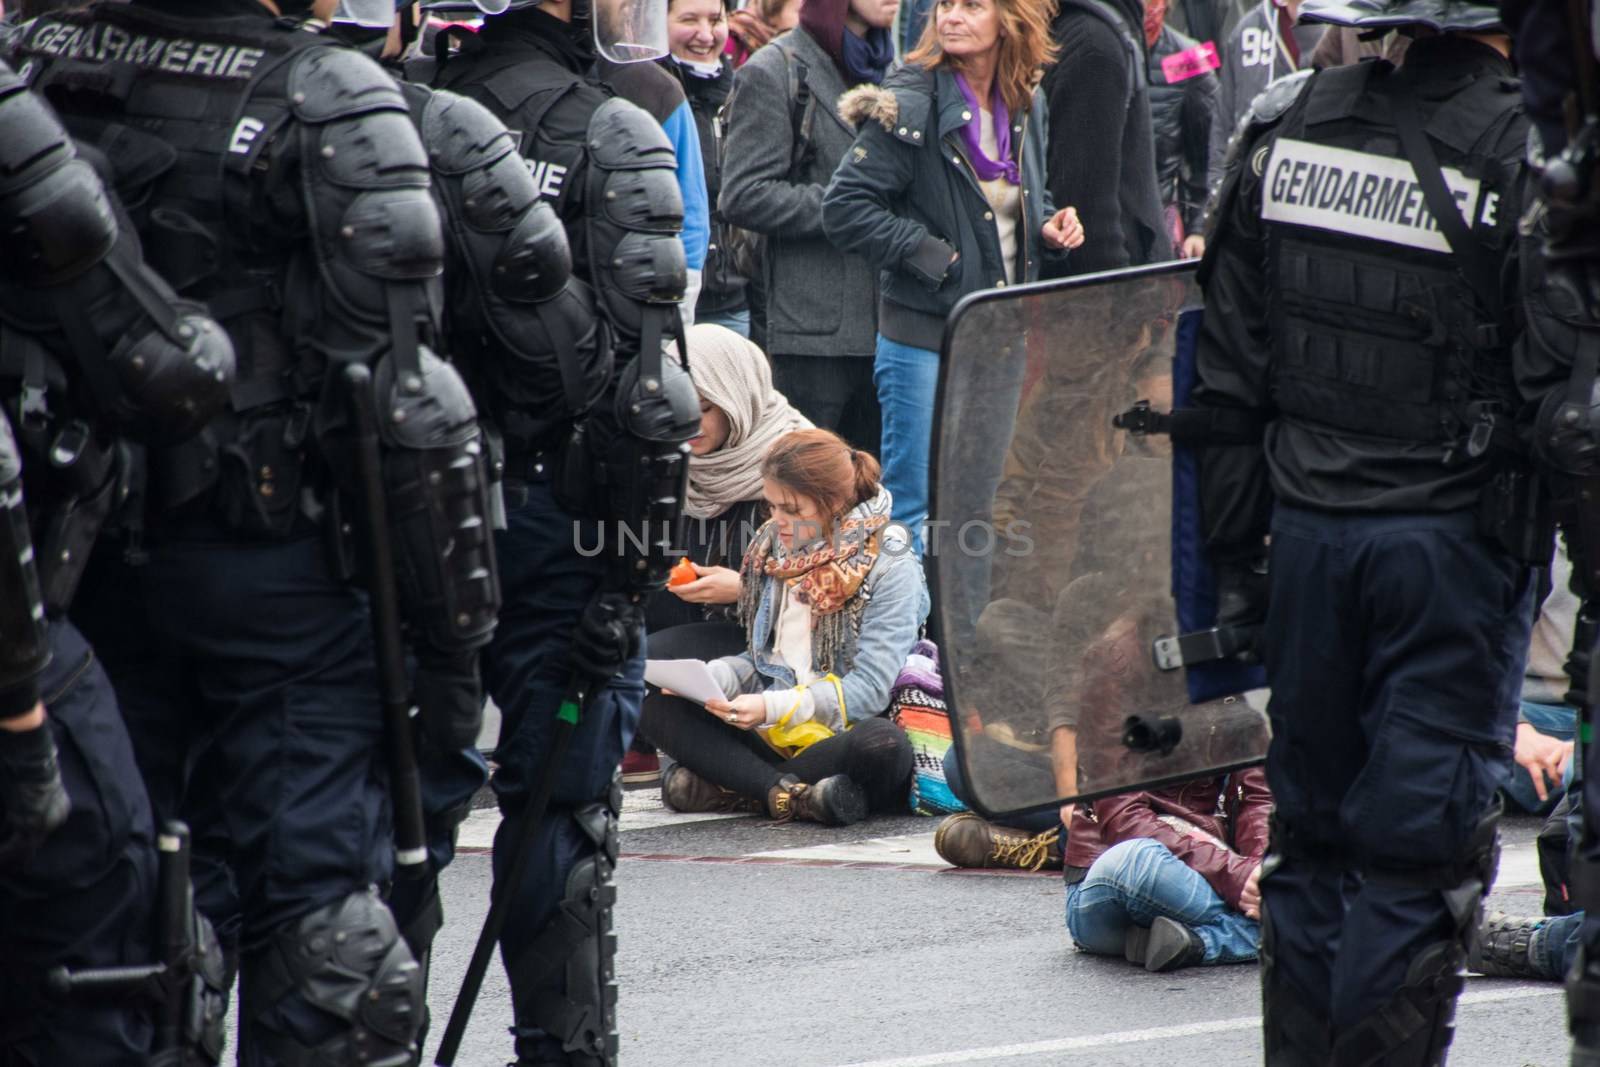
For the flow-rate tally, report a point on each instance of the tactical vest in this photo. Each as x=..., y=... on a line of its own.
x=188, y=115
x=547, y=108
x=1377, y=329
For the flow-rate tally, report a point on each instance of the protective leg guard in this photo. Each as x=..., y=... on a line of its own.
x=336, y=987
x=1415, y=1026
x=1583, y=1009
x=564, y=983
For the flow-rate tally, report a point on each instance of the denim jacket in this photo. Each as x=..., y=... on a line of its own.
x=897, y=606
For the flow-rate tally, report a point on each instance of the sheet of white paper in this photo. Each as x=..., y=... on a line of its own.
x=689, y=678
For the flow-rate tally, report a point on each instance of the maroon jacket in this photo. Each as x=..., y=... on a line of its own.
x=1223, y=849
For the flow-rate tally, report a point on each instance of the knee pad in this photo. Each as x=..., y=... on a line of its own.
x=1414, y=1027
x=564, y=981
x=347, y=963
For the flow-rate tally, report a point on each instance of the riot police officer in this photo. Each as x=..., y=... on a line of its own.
x=521, y=330
x=588, y=467
x=1359, y=301
x=1559, y=51
x=274, y=175
x=95, y=352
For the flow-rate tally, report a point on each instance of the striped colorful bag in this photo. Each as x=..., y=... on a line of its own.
x=917, y=706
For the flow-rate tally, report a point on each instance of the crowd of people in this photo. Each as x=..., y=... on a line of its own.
x=707, y=293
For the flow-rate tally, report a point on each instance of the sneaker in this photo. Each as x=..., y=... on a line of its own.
x=968, y=840
x=834, y=801
x=1503, y=947
x=683, y=790
x=641, y=768
x=1165, y=945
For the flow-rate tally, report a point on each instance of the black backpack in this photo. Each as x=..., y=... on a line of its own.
x=746, y=249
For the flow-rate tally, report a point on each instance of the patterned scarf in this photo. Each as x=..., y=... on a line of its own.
x=826, y=576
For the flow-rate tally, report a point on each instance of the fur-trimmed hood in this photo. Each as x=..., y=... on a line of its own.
x=869, y=102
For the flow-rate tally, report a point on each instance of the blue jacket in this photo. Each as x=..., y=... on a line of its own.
x=905, y=198
x=897, y=606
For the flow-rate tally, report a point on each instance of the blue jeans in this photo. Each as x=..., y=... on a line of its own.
x=737, y=320
x=1134, y=882
x=1553, y=953
x=1552, y=720
x=907, y=379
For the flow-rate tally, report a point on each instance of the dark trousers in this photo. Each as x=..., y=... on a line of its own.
x=245, y=673
x=1395, y=649
x=546, y=584
x=84, y=898
x=834, y=392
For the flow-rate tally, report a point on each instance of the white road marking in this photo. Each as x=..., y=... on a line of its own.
x=910, y=849
x=641, y=810
x=1157, y=1033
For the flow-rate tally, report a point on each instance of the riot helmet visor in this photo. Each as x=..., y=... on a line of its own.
x=630, y=31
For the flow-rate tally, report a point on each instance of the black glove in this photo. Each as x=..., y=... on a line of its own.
x=608, y=636
x=449, y=697
x=33, y=802
x=1242, y=597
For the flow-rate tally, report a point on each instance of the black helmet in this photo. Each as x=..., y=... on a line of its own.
x=1445, y=16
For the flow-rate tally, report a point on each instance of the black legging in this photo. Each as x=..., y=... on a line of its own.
x=874, y=753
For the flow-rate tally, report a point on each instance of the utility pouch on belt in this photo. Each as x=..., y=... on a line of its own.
x=1514, y=514
x=261, y=471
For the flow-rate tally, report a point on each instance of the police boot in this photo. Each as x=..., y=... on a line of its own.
x=1503, y=947
x=834, y=801
x=335, y=987
x=564, y=981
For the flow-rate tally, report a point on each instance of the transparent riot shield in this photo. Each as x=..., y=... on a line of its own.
x=1049, y=548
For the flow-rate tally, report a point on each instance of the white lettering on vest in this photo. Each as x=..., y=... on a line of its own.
x=245, y=134
x=105, y=43
x=548, y=177
x=1361, y=195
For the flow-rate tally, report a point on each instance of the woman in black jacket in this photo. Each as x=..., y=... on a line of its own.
x=697, y=33
x=945, y=192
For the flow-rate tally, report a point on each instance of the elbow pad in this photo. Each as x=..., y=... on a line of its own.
x=634, y=217
x=436, y=484
x=24, y=645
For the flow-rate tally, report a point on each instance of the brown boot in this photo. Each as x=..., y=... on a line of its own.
x=685, y=791
x=834, y=801
x=968, y=840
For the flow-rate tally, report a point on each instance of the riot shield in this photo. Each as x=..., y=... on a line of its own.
x=1049, y=549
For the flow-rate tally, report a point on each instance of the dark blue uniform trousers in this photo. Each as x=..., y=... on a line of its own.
x=1395, y=650
x=246, y=675
x=84, y=899
x=550, y=566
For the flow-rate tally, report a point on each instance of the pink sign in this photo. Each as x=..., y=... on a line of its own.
x=1190, y=62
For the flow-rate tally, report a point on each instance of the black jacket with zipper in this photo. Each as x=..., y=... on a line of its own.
x=722, y=287
x=906, y=198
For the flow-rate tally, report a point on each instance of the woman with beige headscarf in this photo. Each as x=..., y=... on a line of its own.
x=741, y=415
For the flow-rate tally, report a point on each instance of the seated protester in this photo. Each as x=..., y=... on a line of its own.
x=1546, y=723
x=1159, y=878
x=831, y=600
x=741, y=415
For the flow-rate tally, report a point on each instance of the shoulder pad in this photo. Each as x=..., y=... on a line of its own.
x=10, y=81
x=461, y=134
x=623, y=136
x=1270, y=104
x=333, y=82
x=28, y=133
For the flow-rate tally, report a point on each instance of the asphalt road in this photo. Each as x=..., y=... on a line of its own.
x=849, y=948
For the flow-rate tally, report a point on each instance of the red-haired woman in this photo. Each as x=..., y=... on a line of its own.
x=831, y=599
x=945, y=192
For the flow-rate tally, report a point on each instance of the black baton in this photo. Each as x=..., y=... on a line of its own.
x=532, y=815
x=405, y=786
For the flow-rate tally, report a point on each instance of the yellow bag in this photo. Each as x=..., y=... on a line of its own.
x=789, y=741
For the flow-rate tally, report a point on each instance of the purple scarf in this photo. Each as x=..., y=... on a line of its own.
x=988, y=169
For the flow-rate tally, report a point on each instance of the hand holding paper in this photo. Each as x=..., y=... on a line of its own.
x=687, y=678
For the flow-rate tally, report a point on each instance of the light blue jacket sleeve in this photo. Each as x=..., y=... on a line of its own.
x=685, y=140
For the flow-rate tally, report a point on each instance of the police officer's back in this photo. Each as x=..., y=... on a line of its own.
x=1378, y=347
x=275, y=176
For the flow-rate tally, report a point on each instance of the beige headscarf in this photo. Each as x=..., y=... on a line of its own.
x=733, y=374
